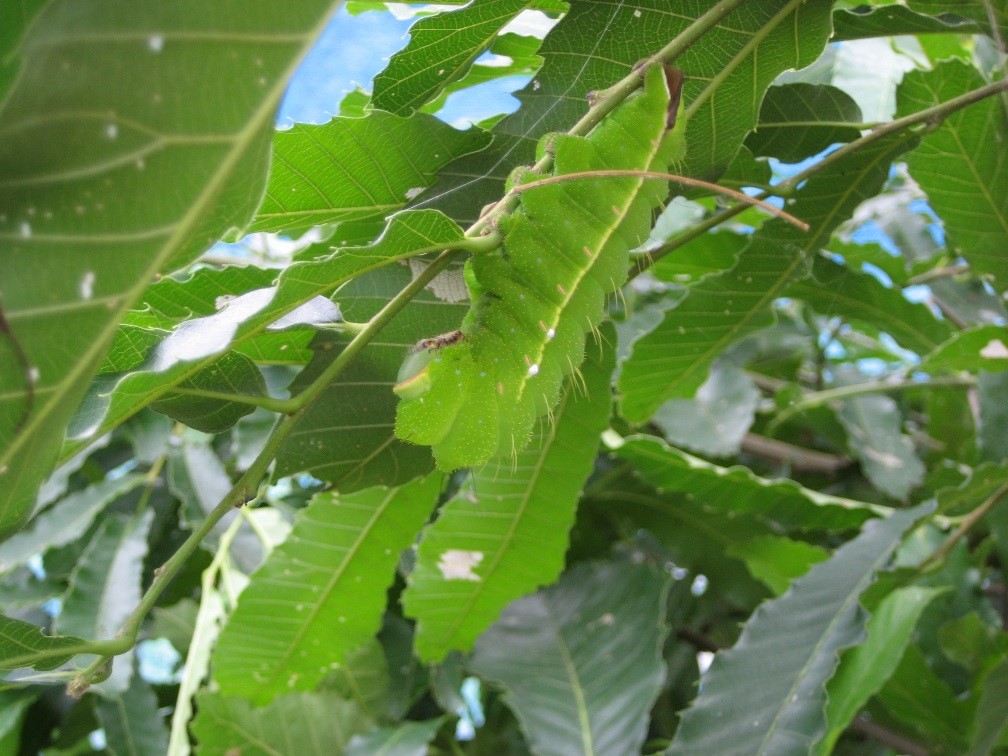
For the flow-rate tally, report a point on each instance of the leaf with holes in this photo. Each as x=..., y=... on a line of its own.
x=505, y=533
x=320, y=594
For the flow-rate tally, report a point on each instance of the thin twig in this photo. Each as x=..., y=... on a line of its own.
x=684, y=180
x=968, y=523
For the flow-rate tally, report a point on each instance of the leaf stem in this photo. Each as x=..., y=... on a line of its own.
x=684, y=180
x=965, y=525
x=249, y=481
x=932, y=117
x=820, y=398
x=273, y=404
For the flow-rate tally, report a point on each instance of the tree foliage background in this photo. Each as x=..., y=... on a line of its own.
x=759, y=509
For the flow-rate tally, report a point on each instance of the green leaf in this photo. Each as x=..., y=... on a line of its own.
x=580, y=662
x=737, y=489
x=306, y=724
x=196, y=344
x=864, y=668
x=408, y=739
x=441, y=49
x=65, y=521
x=889, y=20
x=106, y=112
x=594, y=46
x=799, y=120
x=717, y=419
x=992, y=396
x=992, y=712
x=23, y=644
x=231, y=374
x=794, y=640
x=13, y=708
x=962, y=165
x=364, y=678
x=673, y=360
x=922, y=700
x=321, y=593
x=105, y=588
x=354, y=168
x=874, y=426
x=347, y=438
x=835, y=289
x=980, y=348
x=177, y=623
x=776, y=561
x=132, y=722
x=505, y=533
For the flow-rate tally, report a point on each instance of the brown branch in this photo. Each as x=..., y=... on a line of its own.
x=800, y=460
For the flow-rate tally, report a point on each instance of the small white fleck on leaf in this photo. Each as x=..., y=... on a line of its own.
x=995, y=350
x=413, y=192
x=457, y=564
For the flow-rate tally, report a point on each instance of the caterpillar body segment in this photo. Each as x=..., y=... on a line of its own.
x=565, y=248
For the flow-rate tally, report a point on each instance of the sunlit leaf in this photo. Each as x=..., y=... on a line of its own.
x=737, y=489
x=865, y=668
x=307, y=724
x=441, y=49
x=962, y=165
x=981, y=348
x=321, y=593
x=505, y=533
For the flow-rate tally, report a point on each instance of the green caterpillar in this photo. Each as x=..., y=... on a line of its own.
x=476, y=393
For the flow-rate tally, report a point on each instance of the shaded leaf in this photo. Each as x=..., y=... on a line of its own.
x=717, y=419
x=106, y=111
x=992, y=712
x=231, y=374
x=177, y=623
x=795, y=640
x=23, y=644
x=65, y=521
x=363, y=678
x=921, y=699
x=408, y=739
x=799, y=120
x=580, y=662
x=864, y=668
x=307, y=724
x=738, y=489
x=992, y=396
x=673, y=360
x=874, y=426
x=347, y=438
x=441, y=49
x=505, y=533
x=132, y=722
x=354, y=168
x=105, y=588
x=890, y=20
x=321, y=593
x=962, y=165
x=196, y=344
x=835, y=289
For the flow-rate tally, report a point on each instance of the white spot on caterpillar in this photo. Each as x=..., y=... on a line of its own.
x=26, y=230
x=533, y=371
x=995, y=350
x=86, y=287
x=155, y=43
x=457, y=564
x=413, y=192
x=550, y=334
